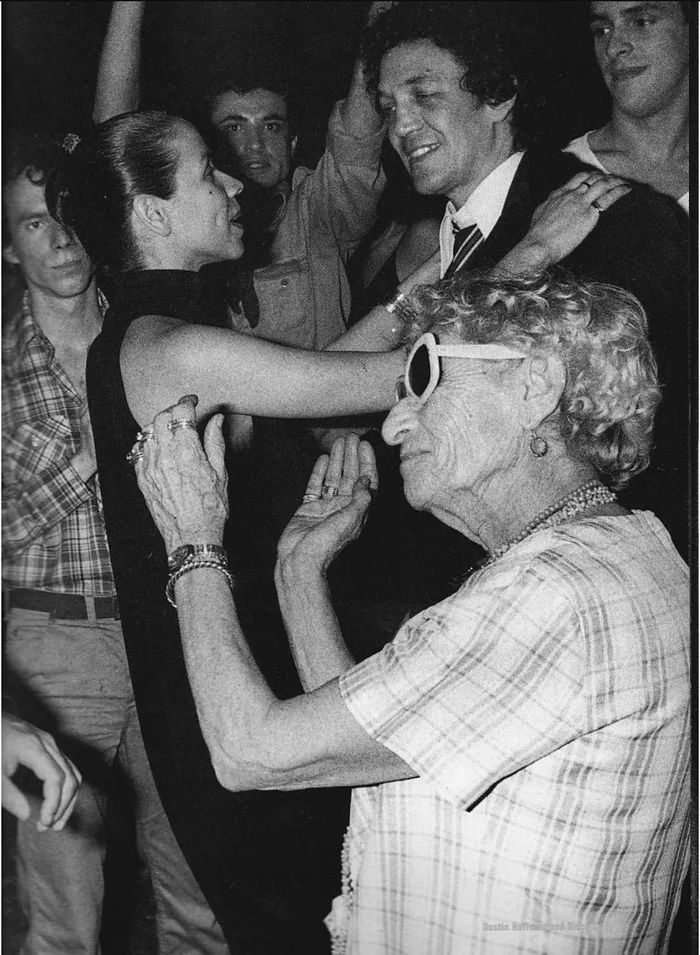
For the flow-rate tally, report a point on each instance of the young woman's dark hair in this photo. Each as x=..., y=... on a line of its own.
x=92, y=189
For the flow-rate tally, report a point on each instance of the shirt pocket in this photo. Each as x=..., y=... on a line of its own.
x=35, y=445
x=286, y=304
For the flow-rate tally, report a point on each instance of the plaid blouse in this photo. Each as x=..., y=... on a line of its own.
x=545, y=708
x=53, y=535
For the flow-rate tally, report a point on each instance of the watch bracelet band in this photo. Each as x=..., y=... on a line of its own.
x=179, y=555
x=195, y=563
x=394, y=301
x=402, y=310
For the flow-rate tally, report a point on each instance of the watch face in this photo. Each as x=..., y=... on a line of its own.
x=179, y=554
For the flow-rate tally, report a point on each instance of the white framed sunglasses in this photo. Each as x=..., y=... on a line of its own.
x=423, y=366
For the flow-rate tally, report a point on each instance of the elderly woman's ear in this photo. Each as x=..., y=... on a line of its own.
x=544, y=379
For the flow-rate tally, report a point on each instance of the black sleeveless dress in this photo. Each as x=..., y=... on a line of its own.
x=268, y=863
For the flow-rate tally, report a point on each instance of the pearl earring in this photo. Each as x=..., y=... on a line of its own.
x=538, y=445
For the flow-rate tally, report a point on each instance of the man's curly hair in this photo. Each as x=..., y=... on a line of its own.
x=599, y=332
x=491, y=41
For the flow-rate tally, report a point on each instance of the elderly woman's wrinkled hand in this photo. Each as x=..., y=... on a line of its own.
x=334, y=509
x=184, y=484
x=569, y=214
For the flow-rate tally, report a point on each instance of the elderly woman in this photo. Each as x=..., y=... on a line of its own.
x=520, y=751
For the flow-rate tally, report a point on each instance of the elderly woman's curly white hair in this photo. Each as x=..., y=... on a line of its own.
x=599, y=332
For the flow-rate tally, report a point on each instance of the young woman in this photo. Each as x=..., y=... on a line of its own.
x=145, y=200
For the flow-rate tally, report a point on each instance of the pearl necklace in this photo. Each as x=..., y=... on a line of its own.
x=591, y=494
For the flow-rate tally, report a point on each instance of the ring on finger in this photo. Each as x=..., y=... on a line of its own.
x=178, y=424
x=135, y=454
x=329, y=490
x=598, y=208
x=307, y=498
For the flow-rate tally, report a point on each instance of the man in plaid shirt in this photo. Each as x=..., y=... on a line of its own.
x=64, y=644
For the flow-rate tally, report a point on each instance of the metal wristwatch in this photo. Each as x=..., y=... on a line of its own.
x=182, y=554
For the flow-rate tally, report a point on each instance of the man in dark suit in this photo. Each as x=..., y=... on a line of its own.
x=452, y=81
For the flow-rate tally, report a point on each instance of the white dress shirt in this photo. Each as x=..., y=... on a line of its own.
x=484, y=206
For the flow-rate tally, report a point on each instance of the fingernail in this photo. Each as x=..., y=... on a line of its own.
x=193, y=398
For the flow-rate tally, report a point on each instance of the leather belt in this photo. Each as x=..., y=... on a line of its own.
x=66, y=606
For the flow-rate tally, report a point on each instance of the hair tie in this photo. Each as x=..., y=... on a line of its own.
x=70, y=141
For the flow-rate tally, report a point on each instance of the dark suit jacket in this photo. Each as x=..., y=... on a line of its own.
x=640, y=244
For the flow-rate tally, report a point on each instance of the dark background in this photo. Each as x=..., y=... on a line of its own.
x=51, y=52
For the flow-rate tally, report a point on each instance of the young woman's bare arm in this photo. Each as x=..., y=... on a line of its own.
x=163, y=359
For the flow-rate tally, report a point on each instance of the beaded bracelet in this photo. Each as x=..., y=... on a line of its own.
x=193, y=564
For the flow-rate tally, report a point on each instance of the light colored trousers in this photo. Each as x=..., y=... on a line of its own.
x=78, y=673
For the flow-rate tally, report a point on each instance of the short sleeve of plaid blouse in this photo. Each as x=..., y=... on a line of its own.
x=478, y=686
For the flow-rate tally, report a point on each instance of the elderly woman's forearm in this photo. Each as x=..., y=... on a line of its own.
x=315, y=638
x=230, y=693
x=255, y=740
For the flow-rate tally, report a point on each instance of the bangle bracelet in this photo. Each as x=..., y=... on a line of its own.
x=401, y=310
x=391, y=305
x=194, y=564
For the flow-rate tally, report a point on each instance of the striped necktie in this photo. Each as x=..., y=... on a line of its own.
x=466, y=241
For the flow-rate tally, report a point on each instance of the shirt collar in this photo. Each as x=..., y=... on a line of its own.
x=27, y=329
x=484, y=206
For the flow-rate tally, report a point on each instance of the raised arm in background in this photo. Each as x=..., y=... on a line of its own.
x=358, y=108
x=118, y=76
x=118, y=84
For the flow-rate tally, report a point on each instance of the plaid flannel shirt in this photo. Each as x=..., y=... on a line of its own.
x=53, y=535
x=545, y=708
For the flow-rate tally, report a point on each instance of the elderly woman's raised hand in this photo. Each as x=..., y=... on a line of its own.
x=335, y=506
x=566, y=217
x=184, y=484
